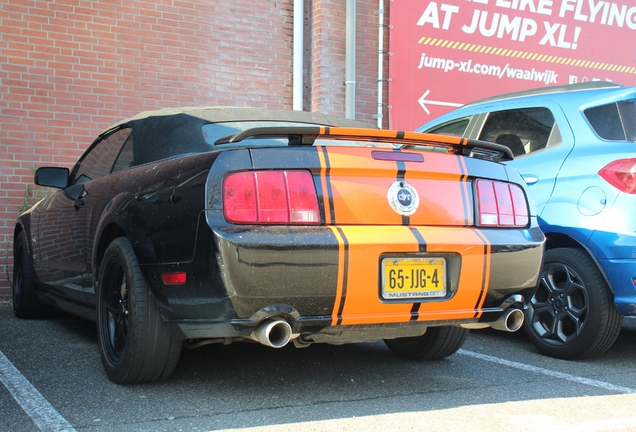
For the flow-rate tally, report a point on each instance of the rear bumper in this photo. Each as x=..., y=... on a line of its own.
x=616, y=253
x=621, y=274
x=322, y=330
x=323, y=280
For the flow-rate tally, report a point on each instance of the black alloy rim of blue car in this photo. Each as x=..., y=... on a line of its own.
x=560, y=305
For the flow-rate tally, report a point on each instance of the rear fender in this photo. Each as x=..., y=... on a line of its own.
x=557, y=240
x=122, y=217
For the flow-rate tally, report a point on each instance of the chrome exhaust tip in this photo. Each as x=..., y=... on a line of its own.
x=273, y=332
x=510, y=321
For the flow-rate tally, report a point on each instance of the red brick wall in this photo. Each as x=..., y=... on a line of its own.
x=70, y=68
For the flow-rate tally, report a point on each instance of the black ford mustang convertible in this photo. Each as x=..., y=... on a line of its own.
x=216, y=225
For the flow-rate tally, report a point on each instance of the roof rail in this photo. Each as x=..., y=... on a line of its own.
x=589, y=85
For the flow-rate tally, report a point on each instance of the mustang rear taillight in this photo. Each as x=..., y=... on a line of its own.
x=621, y=174
x=501, y=204
x=271, y=197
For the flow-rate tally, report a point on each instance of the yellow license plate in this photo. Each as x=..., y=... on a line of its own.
x=404, y=278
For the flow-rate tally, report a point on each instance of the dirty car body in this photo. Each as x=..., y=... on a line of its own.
x=214, y=225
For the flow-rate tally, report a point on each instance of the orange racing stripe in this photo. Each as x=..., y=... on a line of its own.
x=357, y=299
x=343, y=273
x=486, y=277
x=323, y=158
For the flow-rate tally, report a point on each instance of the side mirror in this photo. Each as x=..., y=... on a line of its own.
x=52, y=177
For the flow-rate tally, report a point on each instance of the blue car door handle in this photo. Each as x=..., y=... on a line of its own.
x=530, y=178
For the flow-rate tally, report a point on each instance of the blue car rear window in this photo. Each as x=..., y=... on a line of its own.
x=615, y=121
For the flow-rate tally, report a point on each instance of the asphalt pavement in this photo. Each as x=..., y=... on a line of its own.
x=51, y=378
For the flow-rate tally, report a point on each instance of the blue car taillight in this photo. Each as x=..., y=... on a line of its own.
x=501, y=204
x=621, y=174
x=271, y=197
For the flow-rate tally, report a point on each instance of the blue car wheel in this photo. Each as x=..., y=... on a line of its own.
x=571, y=314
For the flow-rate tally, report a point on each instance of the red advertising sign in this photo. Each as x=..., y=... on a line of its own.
x=450, y=52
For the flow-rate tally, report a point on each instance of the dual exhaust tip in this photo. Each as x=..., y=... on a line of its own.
x=510, y=320
x=273, y=332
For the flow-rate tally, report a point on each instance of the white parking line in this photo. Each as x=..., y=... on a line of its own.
x=551, y=373
x=32, y=402
x=600, y=425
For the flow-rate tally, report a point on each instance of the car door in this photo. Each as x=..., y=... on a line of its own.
x=62, y=239
x=537, y=132
x=540, y=137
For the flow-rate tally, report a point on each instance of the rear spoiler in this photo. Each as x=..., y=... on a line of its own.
x=307, y=135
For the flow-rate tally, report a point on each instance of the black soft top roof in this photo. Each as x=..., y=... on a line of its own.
x=215, y=114
x=175, y=131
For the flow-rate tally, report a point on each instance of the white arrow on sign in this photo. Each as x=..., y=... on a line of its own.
x=423, y=102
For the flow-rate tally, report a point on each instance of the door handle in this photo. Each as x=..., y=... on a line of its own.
x=530, y=179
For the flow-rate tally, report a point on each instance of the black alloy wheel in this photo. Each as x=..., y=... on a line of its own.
x=571, y=314
x=116, y=311
x=26, y=303
x=134, y=344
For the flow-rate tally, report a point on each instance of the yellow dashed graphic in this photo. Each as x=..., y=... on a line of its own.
x=504, y=52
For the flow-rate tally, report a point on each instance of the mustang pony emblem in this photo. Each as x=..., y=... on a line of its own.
x=403, y=198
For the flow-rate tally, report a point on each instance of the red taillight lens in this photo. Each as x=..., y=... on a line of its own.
x=303, y=203
x=501, y=204
x=271, y=197
x=621, y=174
x=519, y=205
x=239, y=197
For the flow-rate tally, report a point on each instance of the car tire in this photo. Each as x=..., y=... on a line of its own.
x=572, y=314
x=26, y=303
x=134, y=344
x=436, y=343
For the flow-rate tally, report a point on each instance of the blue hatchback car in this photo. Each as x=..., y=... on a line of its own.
x=575, y=146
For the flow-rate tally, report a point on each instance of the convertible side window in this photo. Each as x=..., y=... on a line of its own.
x=100, y=159
x=523, y=130
x=125, y=158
